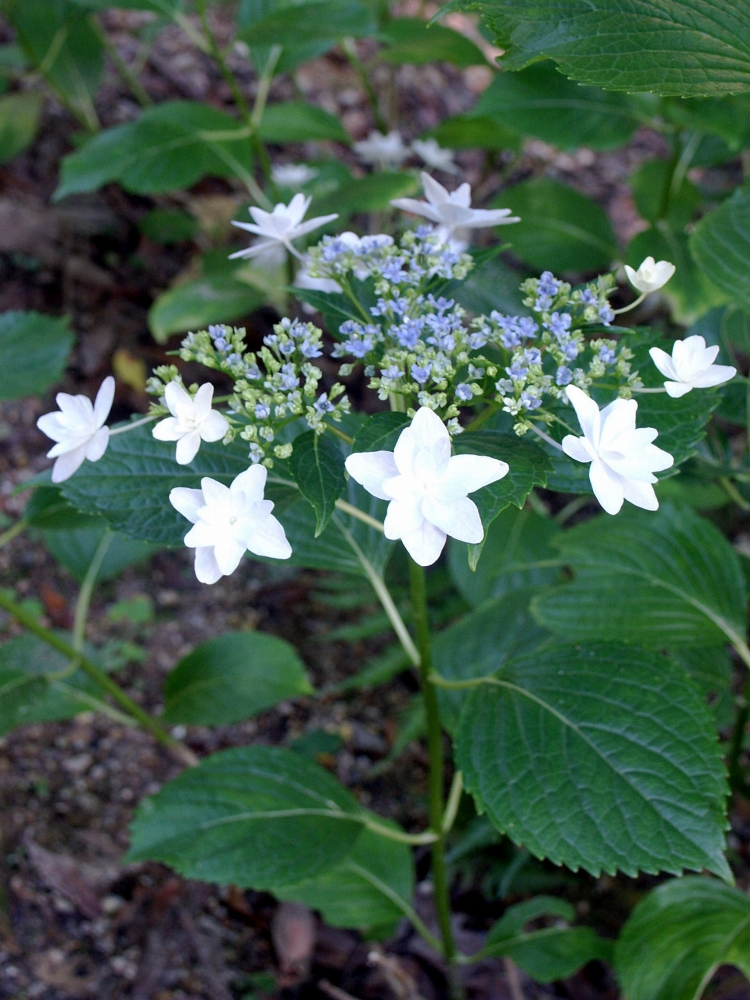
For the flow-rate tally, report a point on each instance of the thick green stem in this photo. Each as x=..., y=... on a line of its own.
x=436, y=772
x=100, y=678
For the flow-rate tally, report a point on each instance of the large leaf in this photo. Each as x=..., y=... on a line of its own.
x=664, y=579
x=368, y=890
x=480, y=642
x=171, y=146
x=540, y=102
x=678, y=936
x=297, y=121
x=19, y=118
x=720, y=244
x=688, y=48
x=548, y=953
x=193, y=305
x=474, y=132
x=412, y=40
x=517, y=553
x=380, y=432
x=597, y=757
x=232, y=677
x=372, y=193
x=294, y=53
x=34, y=350
x=59, y=41
x=252, y=816
x=288, y=24
x=560, y=229
x=317, y=464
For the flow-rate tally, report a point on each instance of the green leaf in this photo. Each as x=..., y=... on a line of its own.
x=171, y=146
x=720, y=244
x=482, y=641
x=412, y=40
x=665, y=579
x=19, y=119
x=59, y=41
x=679, y=935
x=560, y=229
x=297, y=121
x=473, y=132
x=651, y=186
x=193, y=305
x=380, y=432
x=517, y=553
x=34, y=350
x=168, y=226
x=75, y=549
x=528, y=468
x=711, y=671
x=317, y=464
x=540, y=102
x=293, y=54
x=684, y=48
x=491, y=285
x=372, y=193
x=233, y=677
x=368, y=890
x=256, y=817
x=616, y=741
x=165, y=7
x=326, y=19
x=718, y=116
x=549, y=953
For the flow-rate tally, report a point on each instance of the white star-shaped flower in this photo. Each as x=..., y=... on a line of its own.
x=292, y=175
x=382, y=150
x=651, y=275
x=228, y=521
x=192, y=421
x=78, y=428
x=278, y=228
x=452, y=211
x=691, y=366
x=623, y=457
x=426, y=486
x=434, y=155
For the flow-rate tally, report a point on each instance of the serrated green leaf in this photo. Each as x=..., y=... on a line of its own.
x=233, y=677
x=380, y=432
x=19, y=119
x=255, y=817
x=711, y=670
x=193, y=305
x=298, y=121
x=517, y=553
x=476, y=645
x=368, y=890
x=720, y=243
x=412, y=40
x=560, y=229
x=615, y=740
x=678, y=936
x=685, y=48
x=34, y=350
x=540, y=102
x=718, y=116
x=474, y=132
x=317, y=464
x=171, y=146
x=684, y=582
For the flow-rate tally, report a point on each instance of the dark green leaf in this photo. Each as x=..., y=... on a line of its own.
x=678, y=936
x=560, y=229
x=719, y=116
x=368, y=890
x=665, y=579
x=168, y=226
x=651, y=185
x=34, y=350
x=193, y=305
x=171, y=146
x=19, y=118
x=297, y=121
x=293, y=54
x=317, y=464
x=720, y=243
x=372, y=193
x=517, y=553
x=473, y=132
x=326, y=19
x=617, y=741
x=412, y=40
x=711, y=671
x=540, y=102
x=682, y=47
x=492, y=285
x=255, y=817
x=380, y=432
x=233, y=677
x=75, y=549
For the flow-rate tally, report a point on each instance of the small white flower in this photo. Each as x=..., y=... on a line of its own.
x=292, y=175
x=651, y=275
x=192, y=421
x=78, y=428
x=691, y=366
x=427, y=488
x=434, y=155
x=452, y=211
x=277, y=229
x=382, y=150
x=623, y=457
x=228, y=521
x=304, y=280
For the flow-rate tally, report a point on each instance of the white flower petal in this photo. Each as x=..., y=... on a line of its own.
x=251, y=482
x=607, y=487
x=215, y=493
x=370, y=469
x=457, y=518
x=97, y=444
x=467, y=473
x=188, y=502
x=168, y=429
x=715, y=375
x=104, y=399
x=640, y=494
x=417, y=208
x=268, y=539
x=587, y=412
x=228, y=551
x=202, y=402
x=431, y=445
x=403, y=517
x=576, y=448
x=214, y=426
x=51, y=425
x=178, y=400
x=425, y=543
x=206, y=568
x=663, y=362
x=677, y=389
x=68, y=463
x=187, y=447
